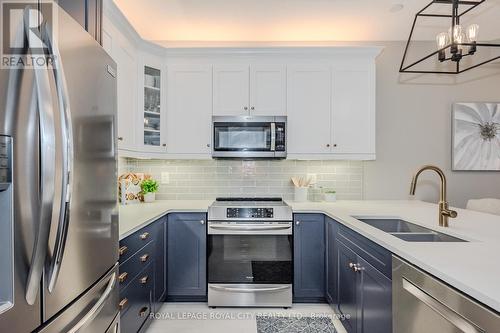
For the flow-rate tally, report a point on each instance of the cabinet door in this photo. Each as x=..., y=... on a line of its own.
x=187, y=256
x=330, y=261
x=127, y=93
x=231, y=89
x=376, y=300
x=347, y=286
x=152, y=124
x=353, y=116
x=160, y=287
x=309, y=258
x=309, y=109
x=189, y=109
x=267, y=90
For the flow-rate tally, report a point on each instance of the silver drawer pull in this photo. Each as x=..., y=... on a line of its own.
x=249, y=227
x=144, y=235
x=250, y=290
x=144, y=257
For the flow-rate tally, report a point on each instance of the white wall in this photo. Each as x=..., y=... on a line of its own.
x=414, y=128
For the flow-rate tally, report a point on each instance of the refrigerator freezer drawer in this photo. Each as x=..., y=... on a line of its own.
x=93, y=312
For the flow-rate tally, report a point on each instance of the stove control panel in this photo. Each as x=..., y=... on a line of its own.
x=250, y=213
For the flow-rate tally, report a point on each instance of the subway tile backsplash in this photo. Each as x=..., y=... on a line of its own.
x=207, y=179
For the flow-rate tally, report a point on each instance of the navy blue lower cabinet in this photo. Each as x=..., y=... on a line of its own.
x=187, y=257
x=363, y=287
x=348, y=287
x=309, y=258
x=330, y=261
x=160, y=262
x=376, y=300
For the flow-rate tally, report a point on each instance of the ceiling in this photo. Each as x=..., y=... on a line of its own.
x=172, y=21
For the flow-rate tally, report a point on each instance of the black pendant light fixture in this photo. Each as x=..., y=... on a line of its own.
x=454, y=44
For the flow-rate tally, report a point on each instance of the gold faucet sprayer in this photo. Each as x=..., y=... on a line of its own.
x=444, y=212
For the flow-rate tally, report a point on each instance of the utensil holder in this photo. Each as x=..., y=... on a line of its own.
x=301, y=194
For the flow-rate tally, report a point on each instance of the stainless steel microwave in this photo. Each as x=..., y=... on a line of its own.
x=248, y=137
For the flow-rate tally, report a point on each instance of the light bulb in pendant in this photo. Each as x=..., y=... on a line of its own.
x=456, y=33
x=442, y=40
x=473, y=32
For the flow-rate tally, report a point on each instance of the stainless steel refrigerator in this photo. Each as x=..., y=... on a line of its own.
x=58, y=168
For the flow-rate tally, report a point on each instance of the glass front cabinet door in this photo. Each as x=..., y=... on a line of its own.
x=152, y=109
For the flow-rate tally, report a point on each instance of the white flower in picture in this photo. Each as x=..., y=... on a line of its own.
x=476, y=136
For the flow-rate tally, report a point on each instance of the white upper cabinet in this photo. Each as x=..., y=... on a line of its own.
x=189, y=110
x=257, y=90
x=124, y=53
x=353, y=113
x=309, y=109
x=230, y=90
x=268, y=90
x=152, y=131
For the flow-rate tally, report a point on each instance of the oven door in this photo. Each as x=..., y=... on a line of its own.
x=250, y=259
x=235, y=137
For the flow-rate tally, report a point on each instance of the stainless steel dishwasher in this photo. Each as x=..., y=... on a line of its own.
x=423, y=304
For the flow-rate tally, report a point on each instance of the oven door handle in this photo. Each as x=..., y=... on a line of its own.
x=249, y=227
x=249, y=290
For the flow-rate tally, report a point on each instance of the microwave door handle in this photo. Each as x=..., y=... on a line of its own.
x=273, y=136
x=47, y=143
x=67, y=158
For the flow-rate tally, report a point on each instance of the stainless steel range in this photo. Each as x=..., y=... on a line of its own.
x=250, y=246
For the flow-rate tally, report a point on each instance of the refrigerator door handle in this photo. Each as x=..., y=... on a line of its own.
x=67, y=159
x=47, y=175
x=94, y=311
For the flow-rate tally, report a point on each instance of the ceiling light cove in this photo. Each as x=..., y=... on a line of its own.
x=275, y=20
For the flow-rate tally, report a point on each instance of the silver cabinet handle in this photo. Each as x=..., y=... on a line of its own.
x=47, y=173
x=67, y=158
x=94, y=311
x=297, y=222
x=245, y=108
x=202, y=221
x=249, y=227
x=250, y=290
x=441, y=309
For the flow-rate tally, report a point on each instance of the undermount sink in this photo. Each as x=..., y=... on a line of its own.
x=407, y=231
x=427, y=237
x=394, y=225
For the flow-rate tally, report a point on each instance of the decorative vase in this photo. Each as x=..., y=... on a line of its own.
x=149, y=197
x=301, y=194
x=330, y=197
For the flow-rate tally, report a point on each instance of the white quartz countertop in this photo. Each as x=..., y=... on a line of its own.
x=472, y=267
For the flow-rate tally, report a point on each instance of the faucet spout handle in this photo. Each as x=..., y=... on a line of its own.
x=450, y=213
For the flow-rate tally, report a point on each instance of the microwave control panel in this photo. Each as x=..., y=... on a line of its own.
x=250, y=213
x=280, y=137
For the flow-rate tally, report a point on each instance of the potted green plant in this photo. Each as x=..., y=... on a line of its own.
x=149, y=187
x=330, y=195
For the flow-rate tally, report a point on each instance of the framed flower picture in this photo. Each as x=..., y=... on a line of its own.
x=476, y=137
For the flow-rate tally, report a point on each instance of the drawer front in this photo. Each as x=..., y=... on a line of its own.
x=130, y=268
x=374, y=254
x=136, y=300
x=130, y=245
